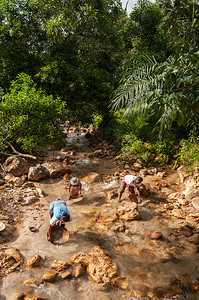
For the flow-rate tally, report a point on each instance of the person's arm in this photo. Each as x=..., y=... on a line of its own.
x=80, y=189
x=69, y=192
x=49, y=233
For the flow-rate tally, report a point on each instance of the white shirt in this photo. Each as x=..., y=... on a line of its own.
x=129, y=179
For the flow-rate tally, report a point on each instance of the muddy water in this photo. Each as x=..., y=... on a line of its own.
x=150, y=266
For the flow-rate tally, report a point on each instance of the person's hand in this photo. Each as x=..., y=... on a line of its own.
x=49, y=238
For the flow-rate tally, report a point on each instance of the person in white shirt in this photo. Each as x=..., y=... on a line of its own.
x=132, y=184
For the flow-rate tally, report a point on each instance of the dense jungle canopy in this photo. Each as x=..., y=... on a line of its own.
x=88, y=62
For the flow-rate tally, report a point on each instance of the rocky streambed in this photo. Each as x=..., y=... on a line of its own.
x=115, y=250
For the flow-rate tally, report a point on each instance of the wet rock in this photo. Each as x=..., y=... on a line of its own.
x=143, y=172
x=173, y=292
x=50, y=276
x=28, y=184
x=128, y=211
x=99, y=265
x=156, y=235
x=195, y=203
x=17, y=296
x=120, y=282
x=161, y=174
x=112, y=195
x=30, y=200
x=57, y=169
x=137, y=294
x=117, y=174
x=178, y=213
x=194, y=239
x=38, y=172
x=192, y=193
x=34, y=261
x=17, y=166
x=31, y=281
x=120, y=228
x=174, y=196
x=137, y=166
x=66, y=275
x=15, y=254
x=78, y=271
x=92, y=177
x=192, y=221
x=60, y=265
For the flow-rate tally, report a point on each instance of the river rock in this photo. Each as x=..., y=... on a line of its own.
x=120, y=228
x=156, y=235
x=195, y=203
x=17, y=166
x=137, y=166
x=193, y=193
x=60, y=265
x=66, y=275
x=31, y=281
x=194, y=239
x=92, y=177
x=50, y=276
x=195, y=286
x=15, y=254
x=17, y=296
x=128, y=211
x=137, y=294
x=38, y=172
x=120, y=282
x=78, y=271
x=178, y=213
x=99, y=265
x=34, y=261
x=30, y=200
x=33, y=297
x=57, y=169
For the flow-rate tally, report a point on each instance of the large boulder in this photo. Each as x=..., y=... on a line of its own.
x=38, y=172
x=57, y=169
x=99, y=265
x=128, y=211
x=16, y=165
x=92, y=177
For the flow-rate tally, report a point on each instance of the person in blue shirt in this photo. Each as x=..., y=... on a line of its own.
x=59, y=215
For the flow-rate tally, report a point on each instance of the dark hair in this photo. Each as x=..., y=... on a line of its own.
x=140, y=179
x=65, y=217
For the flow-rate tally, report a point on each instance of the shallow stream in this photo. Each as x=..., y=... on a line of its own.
x=154, y=267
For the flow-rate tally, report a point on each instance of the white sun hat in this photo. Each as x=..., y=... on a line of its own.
x=2, y=226
x=74, y=181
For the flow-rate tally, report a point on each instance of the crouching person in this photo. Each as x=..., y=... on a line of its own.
x=59, y=215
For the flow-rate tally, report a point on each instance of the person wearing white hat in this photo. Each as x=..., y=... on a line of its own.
x=2, y=226
x=75, y=188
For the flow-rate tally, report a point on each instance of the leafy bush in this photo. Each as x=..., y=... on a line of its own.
x=189, y=152
x=28, y=118
x=133, y=147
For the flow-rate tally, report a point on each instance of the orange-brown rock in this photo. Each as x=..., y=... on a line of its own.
x=33, y=297
x=66, y=275
x=31, y=281
x=137, y=294
x=92, y=177
x=120, y=228
x=60, y=265
x=34, y=261
x=195, y=286
x=99, y=265
x=15, y=254
x=120, y=282
x=156, y=235
x=78, y=271
x=49, y=276
x=57, y=169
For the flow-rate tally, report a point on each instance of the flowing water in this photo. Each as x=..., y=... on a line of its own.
x=151, y=266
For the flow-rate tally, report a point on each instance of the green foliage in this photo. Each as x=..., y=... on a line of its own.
x=28, y=117
x=133, y=148
x=97, y=121
x=189, y=152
